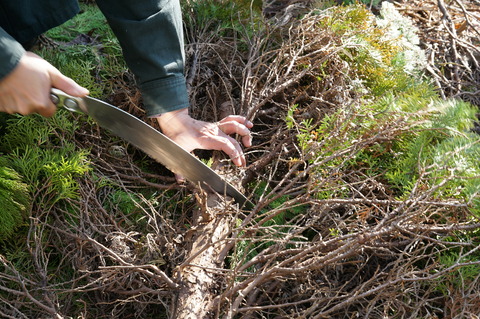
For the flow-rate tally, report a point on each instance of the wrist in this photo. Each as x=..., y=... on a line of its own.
x=166, y=118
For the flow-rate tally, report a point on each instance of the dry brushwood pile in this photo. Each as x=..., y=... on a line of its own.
x=450, y=33
x=346, y=223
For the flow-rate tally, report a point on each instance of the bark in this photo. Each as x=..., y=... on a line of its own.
x=209, y=247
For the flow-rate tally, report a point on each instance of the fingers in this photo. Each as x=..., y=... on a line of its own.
x=55, y=77
x=239, y=119
x=46, y=108
x=238, y=125
x=236, y=153
x=66, y=84
x=26, y=89
x=192, y=134
x=226, y=144
x=234, y=124
x=39, y=103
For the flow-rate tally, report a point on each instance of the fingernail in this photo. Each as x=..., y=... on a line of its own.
x=79, y=90
x=83, y=91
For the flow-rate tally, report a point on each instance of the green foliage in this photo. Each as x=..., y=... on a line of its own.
x=345, y=21
x=274, y=223
x=79, y=63
x=457, y=159
x=24, y=131
x=48, y=163
x=91, y=61
x=462, y=276
x=458, y=277
x=224, y=18
x=438, y=145
x=14, y=201
x=16, y=252
x=41, y=151
x=284, y=216
x=290, y=120
x=437, y=142
x=377, y=60
x=62, y=171
x=399, y=133
x=305, y=133
x=89, y=19
x=366, y=2
x=207, y=161
x=123, y=201
x=445, y=151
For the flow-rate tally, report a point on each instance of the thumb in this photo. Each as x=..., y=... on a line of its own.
x=66, y=84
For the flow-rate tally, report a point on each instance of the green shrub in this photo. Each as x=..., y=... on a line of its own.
x=14, y=201
x=445, y=151
x=42, y=151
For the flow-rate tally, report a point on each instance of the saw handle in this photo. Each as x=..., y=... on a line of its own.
x=62, y=99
